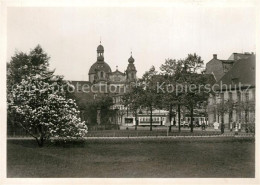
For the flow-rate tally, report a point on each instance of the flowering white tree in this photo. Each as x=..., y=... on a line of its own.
x=39, y=103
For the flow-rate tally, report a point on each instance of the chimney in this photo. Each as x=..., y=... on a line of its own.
x=215, y=56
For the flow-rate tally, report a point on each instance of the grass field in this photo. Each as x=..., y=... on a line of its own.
x=156, y=132
x=183, y=157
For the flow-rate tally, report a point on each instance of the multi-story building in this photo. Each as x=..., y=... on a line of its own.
x=233, y=98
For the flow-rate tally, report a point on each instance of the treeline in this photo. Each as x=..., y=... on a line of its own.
x=179, y=84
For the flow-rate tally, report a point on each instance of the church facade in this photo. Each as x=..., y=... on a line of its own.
x=100, y=71
x=105, y=82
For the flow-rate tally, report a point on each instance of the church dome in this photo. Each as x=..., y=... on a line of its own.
x=131, y=59
x=99, y=66
x=100, y=49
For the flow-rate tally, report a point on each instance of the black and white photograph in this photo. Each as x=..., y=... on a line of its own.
x=140, y=90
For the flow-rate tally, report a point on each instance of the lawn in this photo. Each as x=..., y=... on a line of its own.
x=156, y=132
x=182, y=157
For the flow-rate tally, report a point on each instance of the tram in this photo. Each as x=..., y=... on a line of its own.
x=157, y=120
x=162, y=119
x=197, y=120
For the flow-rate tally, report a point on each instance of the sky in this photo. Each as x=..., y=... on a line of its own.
x=70, y=35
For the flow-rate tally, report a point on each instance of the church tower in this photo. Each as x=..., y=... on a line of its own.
x=100, y=70
x=131, y=71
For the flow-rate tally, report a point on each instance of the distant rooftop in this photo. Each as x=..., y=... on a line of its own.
x=242, y=72
x=237, y=56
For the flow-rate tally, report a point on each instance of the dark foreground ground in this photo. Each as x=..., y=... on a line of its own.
x=182, y=157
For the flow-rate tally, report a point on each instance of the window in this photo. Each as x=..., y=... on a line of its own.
x=101, y=74
x=238, y=96
x=230, y=98
x=246, y=96
x=222, y=97
x=253, y=95
x=215, y=115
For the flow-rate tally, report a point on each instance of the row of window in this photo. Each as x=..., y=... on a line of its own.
x=117, y=99
x=235, y=116
x=117, y=78
x=120, y=107
x=148, y=119
x=240, y=97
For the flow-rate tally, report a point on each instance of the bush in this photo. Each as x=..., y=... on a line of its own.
x=250, y=128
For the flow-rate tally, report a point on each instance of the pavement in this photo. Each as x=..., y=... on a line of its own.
x=226, y=134
x=174, y=128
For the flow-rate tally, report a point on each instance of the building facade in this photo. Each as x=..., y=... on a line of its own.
x=233, y=99
x=105, y=82
x=100, y=71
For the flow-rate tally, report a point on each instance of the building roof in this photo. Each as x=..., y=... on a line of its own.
x=80, y=82
x=242, y=72
x=86, y=92
x=99, y=66
x=227, y=61
x=118, y=72
x=238, y=56
x=219, y=67
x=100, y=49
x=131, y=59
x=210, y=79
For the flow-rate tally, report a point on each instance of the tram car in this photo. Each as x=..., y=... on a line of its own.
x=162, y=119
x=197, y=120
x=157, y=120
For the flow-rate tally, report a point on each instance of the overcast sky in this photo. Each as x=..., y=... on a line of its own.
x=71, y=35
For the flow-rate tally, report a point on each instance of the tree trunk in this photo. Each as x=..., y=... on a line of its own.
x=13, y=127
x=222, y=123
x=246, y=119
x=230, y=118
x=151, y=119
x=170, y=118
x=40, y=141
x=179, y=117
x=136, y=120
x=191, y=117
x=246, y=112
